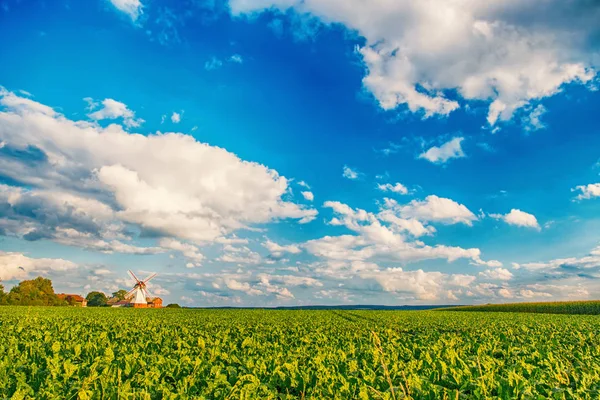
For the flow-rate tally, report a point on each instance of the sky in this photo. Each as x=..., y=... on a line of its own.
x=288, y=152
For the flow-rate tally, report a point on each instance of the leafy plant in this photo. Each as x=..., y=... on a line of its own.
x=104, y=353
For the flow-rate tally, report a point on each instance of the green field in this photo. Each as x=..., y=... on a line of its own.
x=69, y=353
x=559, y=307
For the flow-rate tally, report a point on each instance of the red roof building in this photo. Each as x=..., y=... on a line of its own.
x=73, y=299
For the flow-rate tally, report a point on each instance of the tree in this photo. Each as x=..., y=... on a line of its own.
x=119, y=295
x=173, y=305
x=35, y=292
x=2, y=295
x=96, y=299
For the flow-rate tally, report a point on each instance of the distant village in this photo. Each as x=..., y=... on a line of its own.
x=40, y=292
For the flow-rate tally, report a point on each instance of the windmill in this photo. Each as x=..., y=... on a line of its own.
x=139, y=296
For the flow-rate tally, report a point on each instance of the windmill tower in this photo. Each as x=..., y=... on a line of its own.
x=139, y=296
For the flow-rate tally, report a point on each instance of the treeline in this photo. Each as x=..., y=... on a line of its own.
x=40, y=292
x=588, y=307
x=35, y=292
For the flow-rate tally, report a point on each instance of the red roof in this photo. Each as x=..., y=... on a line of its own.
x=75, y=297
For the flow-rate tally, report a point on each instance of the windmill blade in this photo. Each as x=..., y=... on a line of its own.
x=133, y=275
x=147, y=293
x=129, y=294
x=152, y=276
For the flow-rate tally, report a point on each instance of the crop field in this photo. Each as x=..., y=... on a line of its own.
x=69, y=353
x=559, y=307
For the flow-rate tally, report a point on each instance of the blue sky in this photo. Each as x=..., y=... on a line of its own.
x=284, y=152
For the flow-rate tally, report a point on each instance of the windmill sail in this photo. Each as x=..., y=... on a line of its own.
x=139, y=296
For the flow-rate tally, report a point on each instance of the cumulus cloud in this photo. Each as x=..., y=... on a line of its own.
x=396, y=188
x=587, y=191
x=438, y=209
x=265, y=285
x=419, y=285
x=189, y=251
x=278, y=250
x=497, y=274
x=350, y=173
x=377, y=238
x=133, y=8
x=440, y=155
x=308, y=195
x=167, y=184
x=19, y=266
x=112, y=109
x=176, y=117
x=571, y=265
x=519, y=218
x=239, y=255
x=415, y=53
x=532, y=121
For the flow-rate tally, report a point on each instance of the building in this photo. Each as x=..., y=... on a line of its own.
x=155, y=302
x=73, y=299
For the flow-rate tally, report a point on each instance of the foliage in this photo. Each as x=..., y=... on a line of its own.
x=561, y=307
x=96, y=299
x=3, y=297
x=35, y=292
x=173, y=305
x=119, y=294
x=283, y=354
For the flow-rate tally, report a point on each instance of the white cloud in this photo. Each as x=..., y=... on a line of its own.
x=233, y=239
x=497, y=274
x=239, y=255
x=189, y=251
x=350, y=173
x=236, y=58
x=242, y=287
x=277, y=250
x=304, y=184
x=166, y=183
x=528, y=294
x=176, y=117
x=112, y=109
x=375, y=240
x=133, y=8
x=519, y=218
x=440, y=155
x=418, y=285
x=292, y=280
x=415, y=52
x=102, y=271
x=308, y=195
x=532, y=121
x=212, y=64
x=592, y=260
x=587, y=191
x=19, y=266
x=396, y=188
x=438, y=209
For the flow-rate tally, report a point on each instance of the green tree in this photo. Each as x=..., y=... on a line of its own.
x=173, y=305
x=35, y=292
x=119, y=295
x=2, y=295
x=96, y=299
